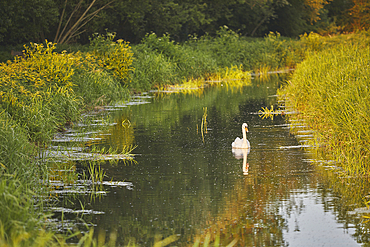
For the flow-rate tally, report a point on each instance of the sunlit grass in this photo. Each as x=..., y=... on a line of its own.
x=234, y=73
x=330, y=90
x=234, y=76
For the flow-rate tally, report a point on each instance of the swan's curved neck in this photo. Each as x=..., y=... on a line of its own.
x=244, y=135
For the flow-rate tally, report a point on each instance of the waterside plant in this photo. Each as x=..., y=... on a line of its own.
x=39, y=94
x=330, y=92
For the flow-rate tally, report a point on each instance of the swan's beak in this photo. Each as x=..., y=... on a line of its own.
x=246, y=129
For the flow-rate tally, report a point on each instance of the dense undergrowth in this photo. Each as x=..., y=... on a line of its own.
x=52, y=85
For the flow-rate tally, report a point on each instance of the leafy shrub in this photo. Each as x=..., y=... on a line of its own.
x=116, y=57
x=230, y=49
x=163, y=45
x=38, y=91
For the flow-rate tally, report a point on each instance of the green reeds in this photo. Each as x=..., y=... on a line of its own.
x=203, y=126
x=330, y=90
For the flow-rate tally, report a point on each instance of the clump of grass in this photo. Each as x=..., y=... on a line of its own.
x=98, y=88
x=15, y=149
x=151, y=69
x=233, y=73
x=330, y=90
x=234, y=76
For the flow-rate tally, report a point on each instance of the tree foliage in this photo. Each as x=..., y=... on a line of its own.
x=23, y=20
x=67, y=21
x=359, y=15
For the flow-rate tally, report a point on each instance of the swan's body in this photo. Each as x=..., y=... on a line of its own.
x=242, y=143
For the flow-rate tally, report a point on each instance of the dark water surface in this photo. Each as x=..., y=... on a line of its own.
x=186, y=182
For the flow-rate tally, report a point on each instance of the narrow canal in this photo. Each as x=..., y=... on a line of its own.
x=187, y=182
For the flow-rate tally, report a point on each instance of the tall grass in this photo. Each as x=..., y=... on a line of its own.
x=38, y=95
x=159, y=61
x=330, y=90
x=20, y=176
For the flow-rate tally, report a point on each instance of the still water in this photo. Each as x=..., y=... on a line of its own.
x=187, y=182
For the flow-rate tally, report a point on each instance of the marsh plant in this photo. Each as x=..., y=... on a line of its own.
x=330, y=90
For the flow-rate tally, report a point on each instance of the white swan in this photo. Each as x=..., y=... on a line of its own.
x=242, y=143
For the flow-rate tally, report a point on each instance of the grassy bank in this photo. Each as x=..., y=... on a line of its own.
x=52, y=85
x=159, y=61
x=40, y=93
x=330, y=92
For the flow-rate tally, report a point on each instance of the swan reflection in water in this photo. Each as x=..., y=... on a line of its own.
x=242, y=154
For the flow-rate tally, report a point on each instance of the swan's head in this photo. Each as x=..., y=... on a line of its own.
x=245, y=127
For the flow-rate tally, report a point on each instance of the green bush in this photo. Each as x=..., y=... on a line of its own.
x=151, y=69
x=187, y=61
x=230, y=49
x=114, y=57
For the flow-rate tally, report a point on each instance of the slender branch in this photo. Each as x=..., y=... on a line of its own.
x=89, y=17
x=77, y=22
x=84, y=19
x=74, y=35
x=69, y=19
x=66, y=34
x=258, y=25
x=60, y=21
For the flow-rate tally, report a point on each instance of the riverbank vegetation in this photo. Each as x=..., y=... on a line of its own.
x=52, y=84
x=41, y=93
x=160, y=61
x=330, y=92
